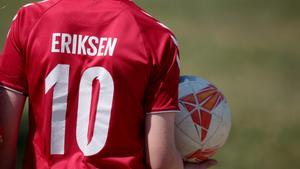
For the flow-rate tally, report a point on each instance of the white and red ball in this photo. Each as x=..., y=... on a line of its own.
x=204, y=122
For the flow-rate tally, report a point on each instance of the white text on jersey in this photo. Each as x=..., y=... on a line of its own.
x=83, y=44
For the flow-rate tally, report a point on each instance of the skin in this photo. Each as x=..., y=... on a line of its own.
x=160, y=144
x=161, y=152
x=202, y=165
x=11, y=107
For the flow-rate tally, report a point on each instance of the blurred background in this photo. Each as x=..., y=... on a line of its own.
x=250, y=49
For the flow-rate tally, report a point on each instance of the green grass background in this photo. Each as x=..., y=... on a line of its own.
x=250, y=49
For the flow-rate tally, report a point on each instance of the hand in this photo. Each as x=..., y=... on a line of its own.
x=202, y=165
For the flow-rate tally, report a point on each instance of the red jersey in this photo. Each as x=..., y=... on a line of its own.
x=92, y=69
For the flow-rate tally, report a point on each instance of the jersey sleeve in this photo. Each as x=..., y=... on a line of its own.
x=12, y=62
x=162, y=92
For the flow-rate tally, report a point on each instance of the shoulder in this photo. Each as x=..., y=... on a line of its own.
x=29, y=14
x=154, y=33
x=36, y=9
x=146, y=22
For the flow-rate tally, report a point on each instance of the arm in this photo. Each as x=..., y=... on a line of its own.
x=11, y=106
x=160, y=142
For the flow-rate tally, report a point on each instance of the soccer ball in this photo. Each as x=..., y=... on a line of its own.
x=204, y=120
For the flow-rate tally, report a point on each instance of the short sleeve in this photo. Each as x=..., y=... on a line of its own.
x=162, y=92
x=12, y=62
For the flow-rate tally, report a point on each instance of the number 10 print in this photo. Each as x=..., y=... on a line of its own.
x=58, y=78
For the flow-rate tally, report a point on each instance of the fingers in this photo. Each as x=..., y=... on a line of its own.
x=202, y=165
x=208, y=164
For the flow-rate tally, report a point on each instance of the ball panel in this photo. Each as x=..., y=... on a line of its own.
x=200, y=155
x=188, y=129
x=185, y=144
x=203, y=124
x=191, y=84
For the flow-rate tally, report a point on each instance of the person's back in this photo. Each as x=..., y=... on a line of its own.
x=92, y=70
